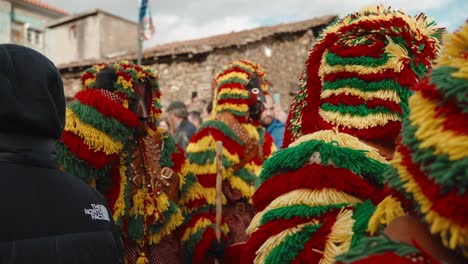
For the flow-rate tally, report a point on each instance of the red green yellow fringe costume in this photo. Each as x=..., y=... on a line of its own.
x=358, y=75
x=430, y=168
x=231, y=96
x=95, y=147
x=319, y=193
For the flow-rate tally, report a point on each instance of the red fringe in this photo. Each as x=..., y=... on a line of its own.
x=386, y=134
x=178, y=158
x=196, y=203
x=447, y=204
x=201, y=249
x=96, y=159
x=374, y=50
x=314, y=88
x=454, y=116
x=317, y=240
x=266, y=231
x=107, y=107
x=409, y=79
x=234, y=101
x=218, y=135
x=425, y=56
x=207, y=180
x=267, y=144
x=233, y=69
x=356, y=101
x=86, y=75
x=315, y=177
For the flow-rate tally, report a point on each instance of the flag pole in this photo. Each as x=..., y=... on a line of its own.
x=139, y=35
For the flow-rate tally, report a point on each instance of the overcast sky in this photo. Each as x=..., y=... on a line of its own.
x=188, y=19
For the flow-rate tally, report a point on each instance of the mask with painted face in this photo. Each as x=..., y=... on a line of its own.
x=256, y=99
x=140, y=103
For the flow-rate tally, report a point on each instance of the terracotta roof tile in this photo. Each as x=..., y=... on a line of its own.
x=47, y=6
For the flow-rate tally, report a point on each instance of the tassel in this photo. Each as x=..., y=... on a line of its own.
x=142, y=259
x=387, y=210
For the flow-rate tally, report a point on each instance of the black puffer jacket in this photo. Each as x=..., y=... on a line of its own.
x=47, y=215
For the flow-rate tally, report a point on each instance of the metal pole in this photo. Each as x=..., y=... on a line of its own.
x=139, y=37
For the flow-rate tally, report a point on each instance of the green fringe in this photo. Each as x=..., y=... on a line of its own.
x=247, y=176
x=353, y=110
x=223, y=127
x=362, y=214
x=233, y=80
x=298, y=104
x=190, y=180
x=167, y=151
x=447, y=173
x=374, y=246
x=109, y=125
x=232, y=96
x=288, y=250
x=365, y=86
x=78, y=167
x=394, y=181
x=172, y=210
x=189, y=245
x=299, y=210
x=293, y=158
x=451, y=87
x=136, y=227
x=333, y=60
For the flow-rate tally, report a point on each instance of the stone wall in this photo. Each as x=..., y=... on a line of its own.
x=283, y=57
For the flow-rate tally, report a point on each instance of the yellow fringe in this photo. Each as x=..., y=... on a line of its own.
x=239, y=75
x=138, y=207
x=201, y=224
x=245, y=189
x=208, y=143
x=454, y=46
x=169, y=226
x=458, y=235
x=398, y=52
x=430, y=130
x=243, y=108
x=359, y=122
x=393, y=63
x=271, y=243
x=202, y=169
x=95, y=139
x=142, y=259
x=119, y=206
x=339, y=239
x=344, y=141
x=125, y=84
x=386, y=212
x=233, y=91
x=386, y=94
x=325, y=196
x=251, y=130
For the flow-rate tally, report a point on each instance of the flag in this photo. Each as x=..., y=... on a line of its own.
x=145, y=20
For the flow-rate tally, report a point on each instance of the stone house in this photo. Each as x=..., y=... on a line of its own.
x=23, y=22
x=186, y=67
x=94, y=34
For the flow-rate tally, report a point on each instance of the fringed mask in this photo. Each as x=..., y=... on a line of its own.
x=256, y=99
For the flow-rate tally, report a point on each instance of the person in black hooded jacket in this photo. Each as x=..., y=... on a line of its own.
x=48, y=216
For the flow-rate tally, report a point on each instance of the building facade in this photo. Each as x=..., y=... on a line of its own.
x=23, y=22
x=91, y=35
x=189, y=67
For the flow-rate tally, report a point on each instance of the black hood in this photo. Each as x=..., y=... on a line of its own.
x=31, y=94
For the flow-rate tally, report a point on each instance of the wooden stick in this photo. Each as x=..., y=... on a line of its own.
x=219, y=191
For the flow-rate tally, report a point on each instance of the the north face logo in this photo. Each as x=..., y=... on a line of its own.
x=98, y=212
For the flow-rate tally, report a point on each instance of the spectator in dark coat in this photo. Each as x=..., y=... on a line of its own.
x=48, y=216
x=184, y=130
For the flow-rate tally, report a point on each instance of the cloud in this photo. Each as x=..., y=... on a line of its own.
x=186, y=19
x=173, y=27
